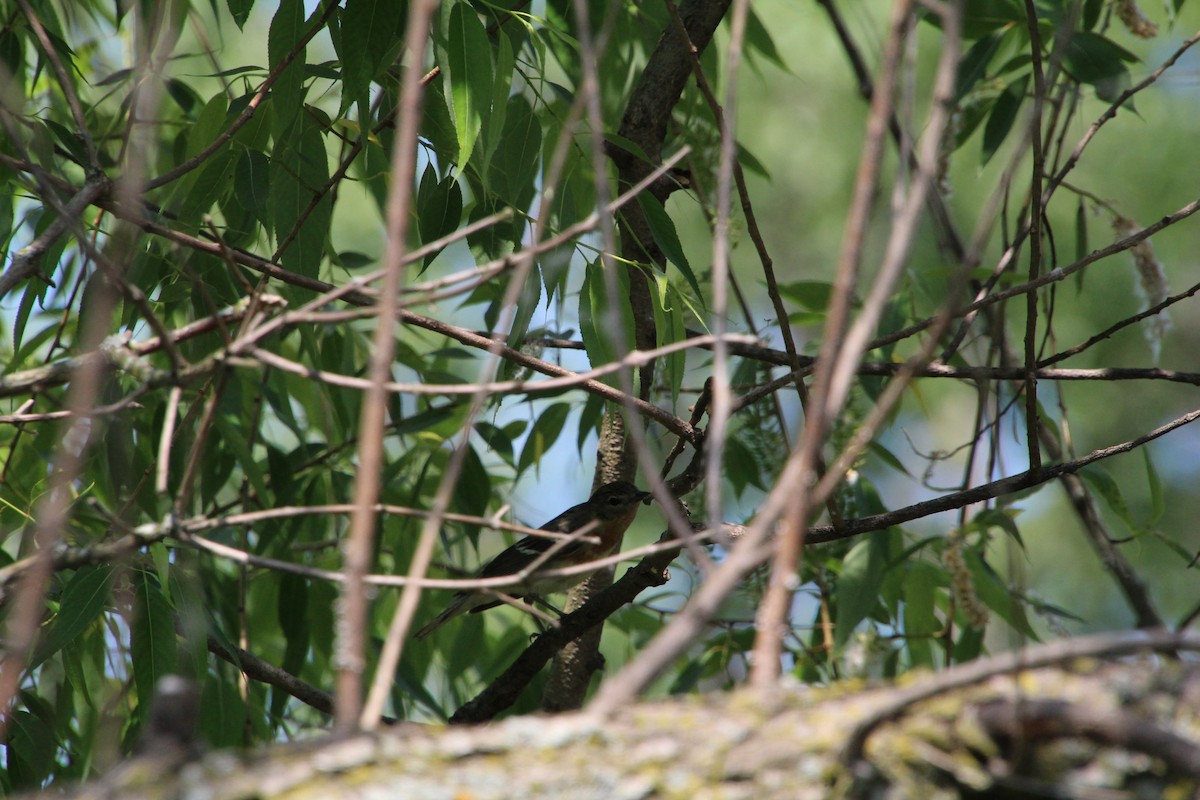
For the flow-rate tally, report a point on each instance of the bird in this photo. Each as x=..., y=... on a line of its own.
x=611, y=508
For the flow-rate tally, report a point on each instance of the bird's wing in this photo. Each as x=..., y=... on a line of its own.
x=518, y=556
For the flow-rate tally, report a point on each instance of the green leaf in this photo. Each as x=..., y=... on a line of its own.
x=470, y=77
x=750, y=163
x=230, y=425
x=758, y=40
x=813, y=295
x=12, y=57
x=527, y=304
x=1099, y=62
x=517, y=160
x=296, y=177
x=858, y=583
x=81, y=603
x=1110, y=491
x=212, y=181
x=501, y=89
x=437, y=126
x=1081, y=240
x=543, y=435
x=1157, y=502
x=742, y=467
x=152, y=638
x=352, y=259
x=368, y=34
x=209, y=123
x=662, y=228
x=969, y=644
x=252, y=185
x=439, y=208
x=596, y=310
x=1002, y=519
x=34, y=293
x=1091, y=57
x=240, y=11
x=590, y=420
x=921, y=582
x=474, y=490
x=888, y=457
x=1004, y=114
x=69, y=140
x=669, y=328
x=980, y=17
x=294, y=623
x=994, y=594
x=287, y=94
x=31, y=743
x=497, y=440
x=973, y=65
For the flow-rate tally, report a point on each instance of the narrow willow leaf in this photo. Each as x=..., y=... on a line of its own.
x=287, y=94
x=669, y=327
x=662, y=228
x=501, y=89
x=81, y=603
x=1157, y=502
x=991, y=589
x=857, y=585
x=152, y=638
x=758, y=40
x=1004, y=114
x=1081, y=240
x=1110, y=491
x=920, y=614
x=596, y=310
x=293, y=600
x=973, y=65
x=295, y=181
x=517, y=160
x=367, y=35
x=543, y=435
x=470, y=77
x=439, y=208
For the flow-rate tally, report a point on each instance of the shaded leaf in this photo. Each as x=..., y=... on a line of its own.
x=543, y=435
x=517, y=161
x=287, y=94
x=82, y=601
x=1003, y=115
x=858, y=583
x=973, y=65
x=240, y=11
x=1110, y=491
x=991, y=589
x=152, y=638
x=1157, y=502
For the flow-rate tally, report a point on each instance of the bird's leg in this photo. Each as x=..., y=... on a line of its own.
x=538, y=600
x=543, y=621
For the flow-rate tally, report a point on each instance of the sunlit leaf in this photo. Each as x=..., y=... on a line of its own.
x=470, y=77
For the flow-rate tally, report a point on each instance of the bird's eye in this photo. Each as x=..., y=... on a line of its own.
x=614, y=501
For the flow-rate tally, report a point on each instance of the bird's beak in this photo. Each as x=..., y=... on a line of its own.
x=645, y=498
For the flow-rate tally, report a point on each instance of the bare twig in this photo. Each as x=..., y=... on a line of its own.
x=352, y=609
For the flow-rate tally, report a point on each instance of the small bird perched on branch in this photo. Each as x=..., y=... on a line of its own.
x=599, y=522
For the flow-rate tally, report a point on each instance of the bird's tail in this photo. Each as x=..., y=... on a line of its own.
x=457, y=606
